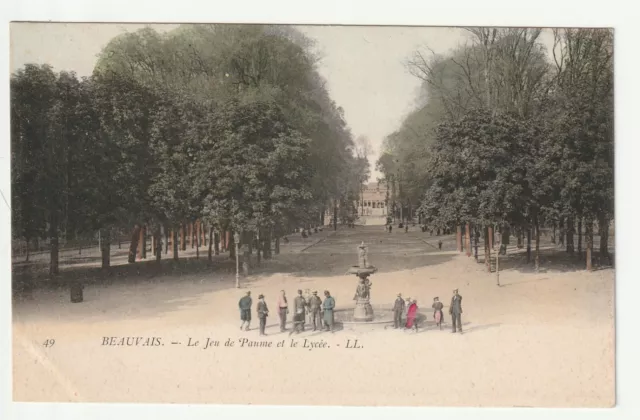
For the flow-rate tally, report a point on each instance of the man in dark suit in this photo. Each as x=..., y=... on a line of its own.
x=398, y=311
x=455, y=310
x=263, y=312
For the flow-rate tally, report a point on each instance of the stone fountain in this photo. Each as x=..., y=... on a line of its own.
x=363, y=312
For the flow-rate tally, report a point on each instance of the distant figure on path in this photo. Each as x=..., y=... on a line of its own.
x=314, y=304
x=412, y=323
x=283, y=310
x=390, y=228
x=398, y=311
x=327, y=306
x=262, y=312
x=455, y=310
x=437, y=311
x=406, y=228
x=440, y=244
x=300, y=305
x=245, y=310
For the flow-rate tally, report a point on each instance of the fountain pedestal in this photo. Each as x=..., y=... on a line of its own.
x=363, y=312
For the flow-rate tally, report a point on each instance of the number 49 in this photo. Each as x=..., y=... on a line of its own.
x=49, y=342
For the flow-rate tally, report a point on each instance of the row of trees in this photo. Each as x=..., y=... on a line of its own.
x=230, y=126
x=512, y=135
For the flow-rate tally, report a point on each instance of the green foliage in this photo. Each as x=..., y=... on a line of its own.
x=231, y=124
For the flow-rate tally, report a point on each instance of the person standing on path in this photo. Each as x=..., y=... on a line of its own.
x=407, y=304
x=412, y=314
x=262, y=312
x=299, y=305
x=245, y=310
x=315, y=304
x=398, y=311
x=283, y=310
x=327, y=306
x=437, y=311
x=455, y=310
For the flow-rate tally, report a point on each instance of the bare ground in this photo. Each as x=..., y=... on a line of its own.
x=541, y=339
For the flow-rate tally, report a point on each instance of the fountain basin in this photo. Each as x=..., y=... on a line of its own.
x=382, y=314
x=361, y=270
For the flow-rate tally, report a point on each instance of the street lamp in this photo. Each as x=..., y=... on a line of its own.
x=236, y=239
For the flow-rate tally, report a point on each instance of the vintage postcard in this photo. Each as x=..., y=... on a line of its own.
x=312, y=215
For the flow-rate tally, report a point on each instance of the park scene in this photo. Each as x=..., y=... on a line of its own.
x=241, y=214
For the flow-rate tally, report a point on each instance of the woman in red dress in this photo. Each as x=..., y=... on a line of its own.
x=411, y=316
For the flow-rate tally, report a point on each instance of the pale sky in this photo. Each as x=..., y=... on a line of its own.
x=364, y=66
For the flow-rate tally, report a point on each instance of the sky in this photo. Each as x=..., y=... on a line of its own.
x=364, y=66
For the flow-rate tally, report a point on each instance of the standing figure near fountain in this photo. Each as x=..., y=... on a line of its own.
x=299, y=305
x=398, y=311
x=314, y=303
x=327, y=306
x=412, y=322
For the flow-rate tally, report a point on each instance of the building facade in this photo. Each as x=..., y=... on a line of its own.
x=374, y=200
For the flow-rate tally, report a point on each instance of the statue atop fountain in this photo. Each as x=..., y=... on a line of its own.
x=363, y=310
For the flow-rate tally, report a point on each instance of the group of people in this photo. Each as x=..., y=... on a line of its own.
x=405, y=312
x=320, y=311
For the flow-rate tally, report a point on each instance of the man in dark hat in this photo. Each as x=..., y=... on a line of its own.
x=299, y=305
x=327, y=306
x=314, y=304
x=398, y=311
x=245, y=310
x=455, y=310
x=263, y=312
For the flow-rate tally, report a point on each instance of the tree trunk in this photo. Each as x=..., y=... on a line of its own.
x=537, y=255
x=335, y=216
x=589, y=240
x=487, y=250
x=528, y=244
x=183, y=239
x=143, y=242
x=267, y=245
x=133, y=246
x=54, y=261
x=570, y=232
x=467, y=239
x=157, y=239
x=231, y=245
x=105, y=250
x=476, y=239
x=190, y=233
x=458, y=238
x=197, y=249
x=562, y=231
x=490, y=230
x=519, y=238
x=166, y=239
x=580, y=238
x=322, y=217
x=603, y=231
x=153, y=245
x=277, y=245
x=553, y=234
x=212, y=241
x=504, y=235
x=258, y=247
x=175, y=244
x=216, y=241
x=27, y=259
